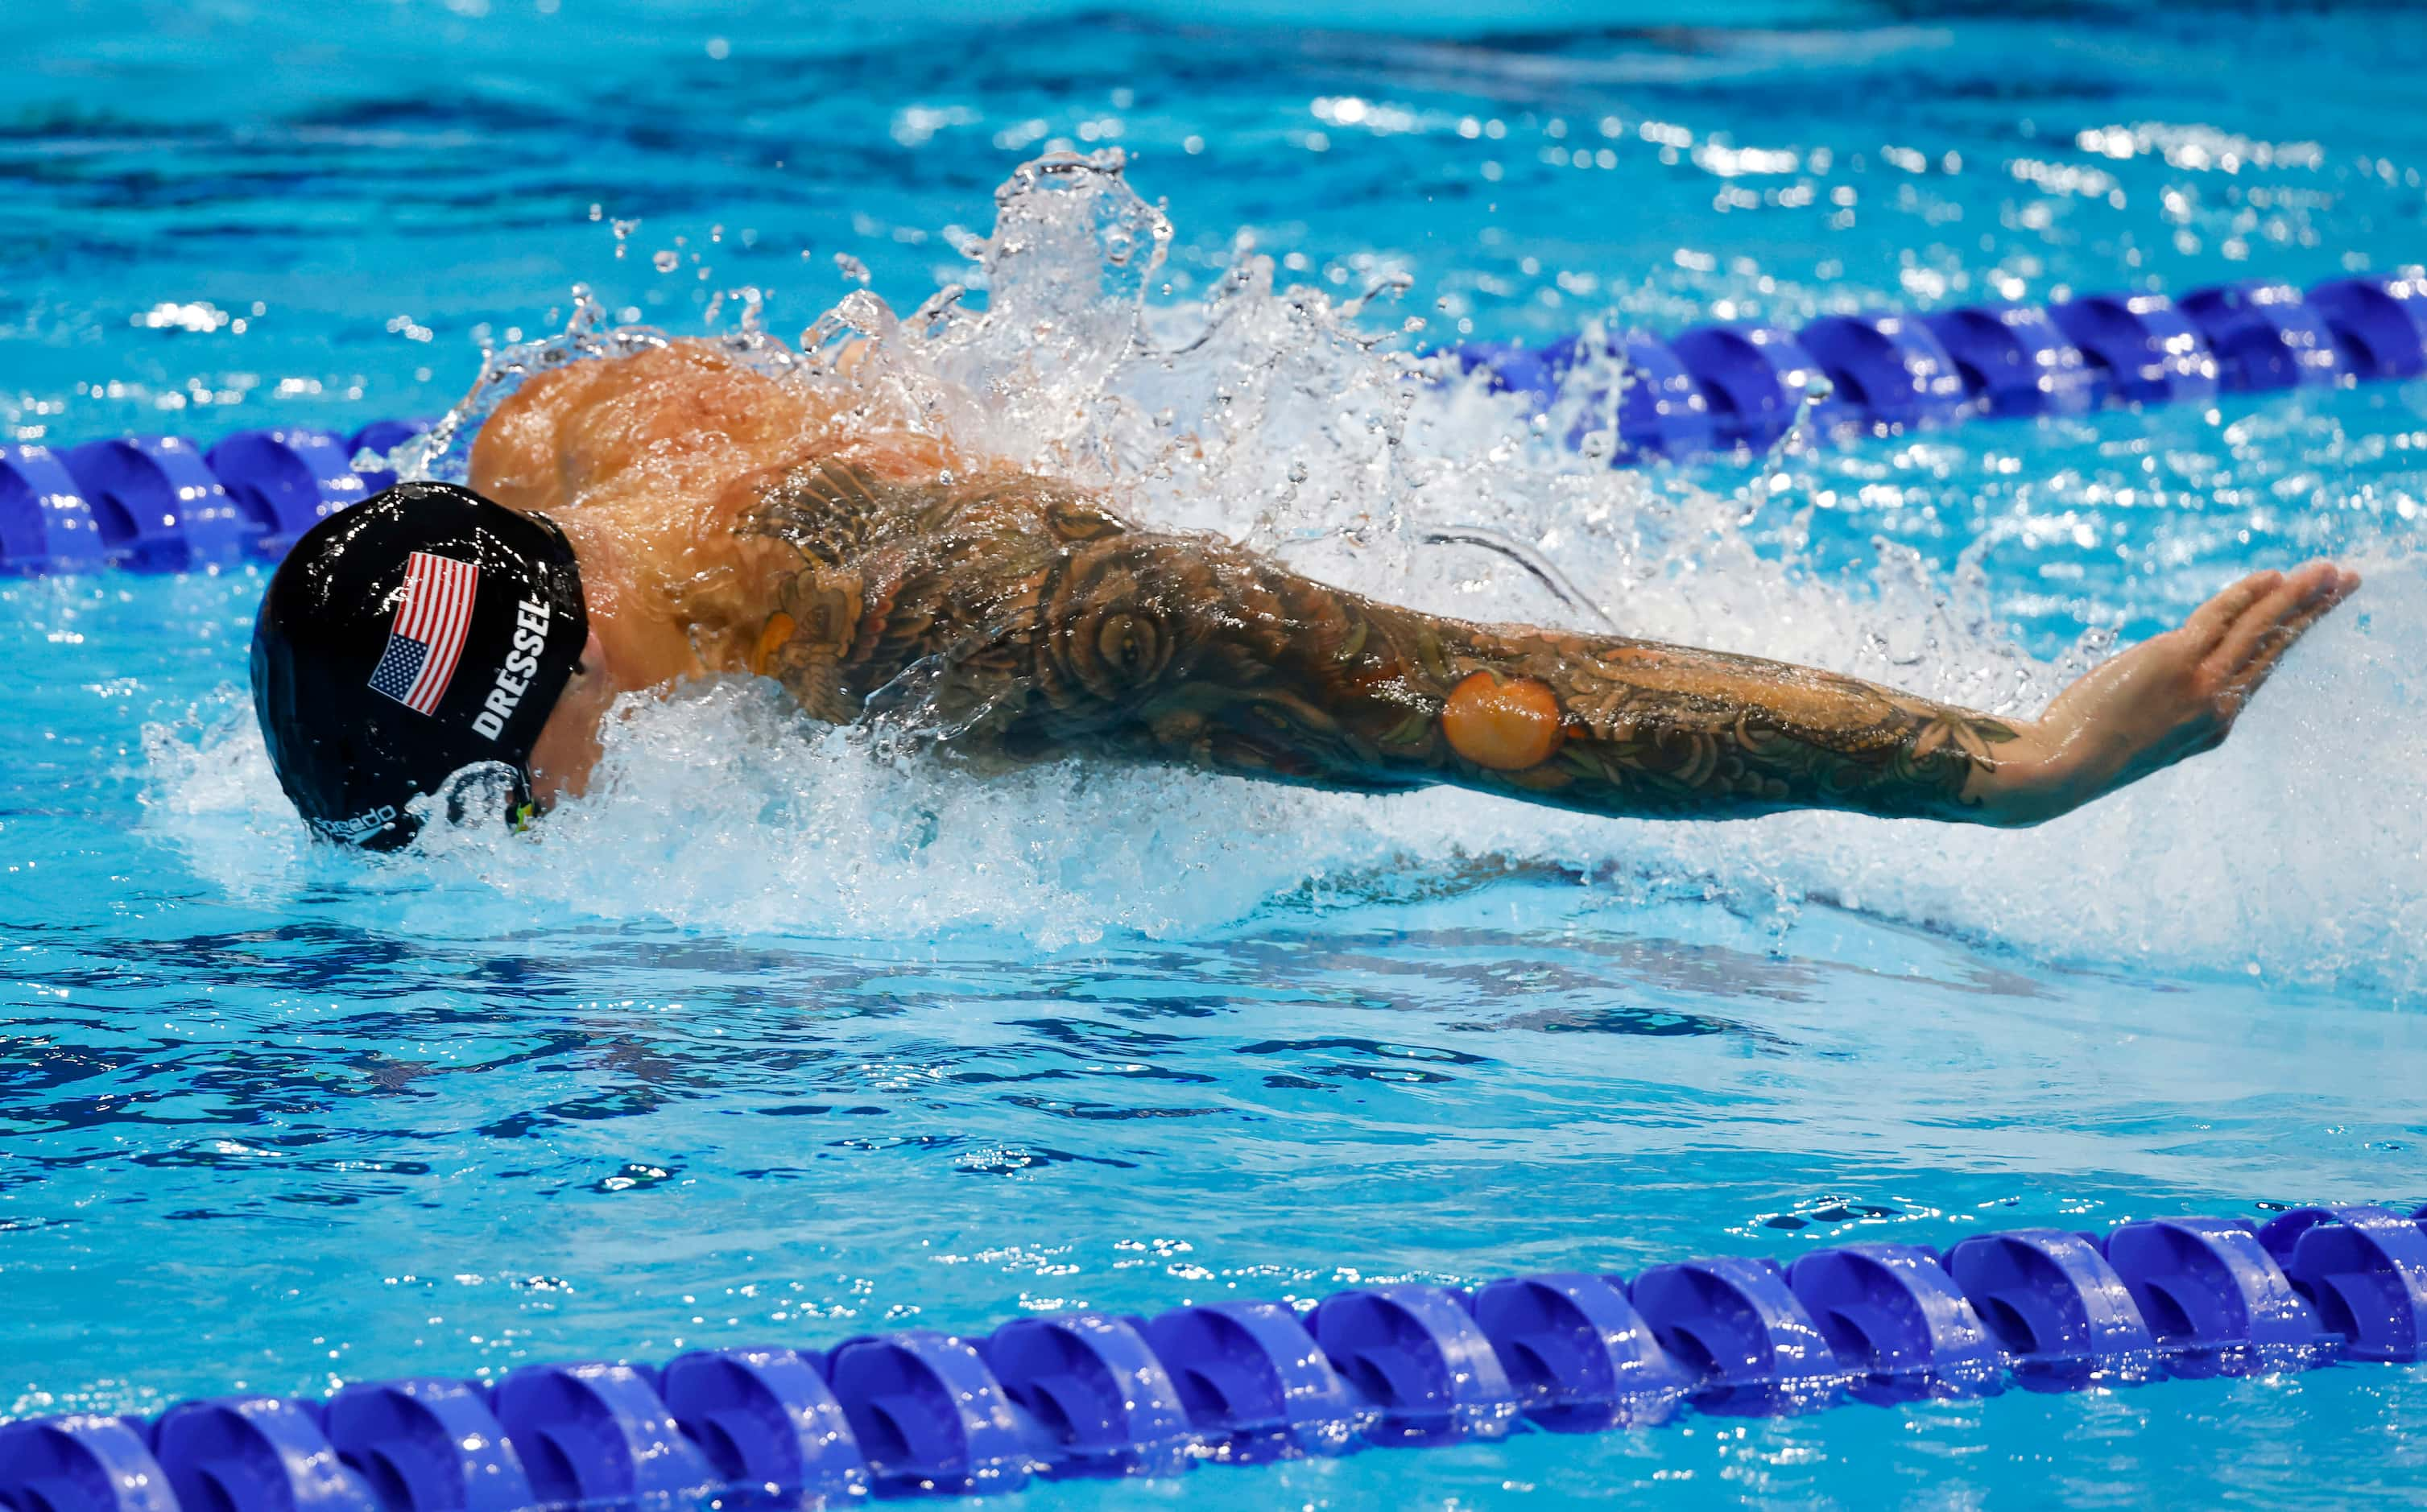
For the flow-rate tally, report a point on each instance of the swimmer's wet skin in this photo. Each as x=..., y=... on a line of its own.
x=725, y=522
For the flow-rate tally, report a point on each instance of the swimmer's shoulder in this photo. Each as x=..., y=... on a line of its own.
x=688, y=409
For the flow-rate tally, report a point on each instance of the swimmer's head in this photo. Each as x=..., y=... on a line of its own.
x=421, y=632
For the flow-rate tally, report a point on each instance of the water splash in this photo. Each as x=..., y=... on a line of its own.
x=1278, y=416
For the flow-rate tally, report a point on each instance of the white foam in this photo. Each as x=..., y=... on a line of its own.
x=2298, y=852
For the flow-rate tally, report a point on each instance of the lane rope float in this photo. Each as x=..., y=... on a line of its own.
x=925, y=1412
x=1719, y=388
x=163, y=503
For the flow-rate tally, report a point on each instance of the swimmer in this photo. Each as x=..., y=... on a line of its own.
x=636, y=523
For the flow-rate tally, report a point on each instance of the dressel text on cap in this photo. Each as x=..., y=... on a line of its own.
x=522, y=662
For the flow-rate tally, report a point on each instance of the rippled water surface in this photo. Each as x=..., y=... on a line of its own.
x=775, y=1041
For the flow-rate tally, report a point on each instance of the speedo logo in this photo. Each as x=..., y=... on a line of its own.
x=522, y=664
x=351, y=830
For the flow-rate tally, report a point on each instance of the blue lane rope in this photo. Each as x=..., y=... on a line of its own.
x=161, y=503
x=1092, y=1394
x=1721, y=387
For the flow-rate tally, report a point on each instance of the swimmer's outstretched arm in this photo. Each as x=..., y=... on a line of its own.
x=1191, y=650
x=1064, y=628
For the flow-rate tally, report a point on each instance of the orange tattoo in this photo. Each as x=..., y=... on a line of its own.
x=1505, y=724
x=771, y=639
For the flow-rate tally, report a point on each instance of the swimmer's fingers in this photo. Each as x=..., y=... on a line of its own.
x=2259, y=629
x=2212, y=620
x=2258, y=626
x=2255, y=646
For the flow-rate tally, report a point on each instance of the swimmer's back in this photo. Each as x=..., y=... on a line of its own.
x=652, y=465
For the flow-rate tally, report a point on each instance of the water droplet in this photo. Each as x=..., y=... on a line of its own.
x=666, y=261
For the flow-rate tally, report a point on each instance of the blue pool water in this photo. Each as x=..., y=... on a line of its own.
x=777, y=1042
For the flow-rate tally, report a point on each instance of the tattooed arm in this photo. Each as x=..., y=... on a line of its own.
x=1067, y=630
x=1193, y=650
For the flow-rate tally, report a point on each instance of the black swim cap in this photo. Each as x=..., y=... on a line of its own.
x=404, y=638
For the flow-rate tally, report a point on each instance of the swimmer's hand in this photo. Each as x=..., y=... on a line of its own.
x=2167, y=698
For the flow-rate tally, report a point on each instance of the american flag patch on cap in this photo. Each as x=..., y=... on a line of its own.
x=426, y=638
